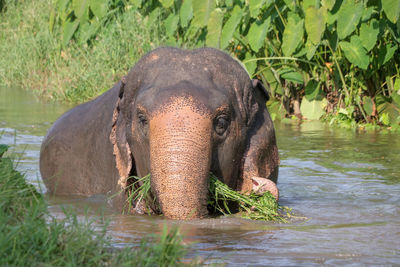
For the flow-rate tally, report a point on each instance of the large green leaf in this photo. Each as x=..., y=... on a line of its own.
x=214, y=27
x=391, y=110
x=368, y=105
x=255, y=7
x=392, y=9
x=136, y=3
x=201, y=11
x=328, y=4
x=99, y=8
x=80, y=7
x=348, y=17
x=171, y=24
x=311, y=49
x=87, y=31
x=396, y=99
x=313, y=91
x=369, y=34
x=186, y=13
x=69, y=28
x=230, y=26
x=313, y=110
x=258, y=31
x=291, y=4
x=274, y=83
x=310, y=3
x=250, y=65
x=355, y=52
x=314, y=23
x=292, y=36
x=166, y=3
x=367, y=13
x=385, y=53
x=291, y=75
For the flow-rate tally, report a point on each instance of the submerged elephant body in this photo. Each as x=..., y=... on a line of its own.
x=178, y=115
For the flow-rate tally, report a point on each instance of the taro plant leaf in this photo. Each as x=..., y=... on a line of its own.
x=290, y=4
x=80, y=7
x=274, y=84
x=328, y=4
x=230, y=26
x=153, y=16
x=201, y=11
x=186, y=13
x=291, y=75
x=355, y=52
x=171, y=24
x=99, y=8
x=349, y=15
x=385, y=53
x=313, y=91
x=396, y=99
x=214, y=27
x=136, y=3
x=62, y=5
x=333, y=39
x=311, y=49
x=369, y=34
x=392, y=9
x=257, y=33
x=367, y=105
x=391, y=110
x=166, y=3
x=69, y=28
x=309, y=3
x=396, y=86
x=314, y=23
x=86, y=31
x=292, y=36
x=255, y=7
x=313, y=110
x=250, y=64
x=367, y=13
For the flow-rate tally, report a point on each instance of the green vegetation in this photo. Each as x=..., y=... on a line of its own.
x=32, y=56
x=30, y=236
x=331, y=59
x=221, y=197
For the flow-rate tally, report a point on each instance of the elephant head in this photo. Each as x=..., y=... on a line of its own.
x=183, y=114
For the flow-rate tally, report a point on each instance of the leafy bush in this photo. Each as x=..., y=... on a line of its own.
x=331, y=56
x=30, y=236
x=82, y=19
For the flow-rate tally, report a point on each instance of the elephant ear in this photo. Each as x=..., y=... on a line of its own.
x=121, y=150
x=261, y=158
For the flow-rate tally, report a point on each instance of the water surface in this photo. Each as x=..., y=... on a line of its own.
x=347, y=184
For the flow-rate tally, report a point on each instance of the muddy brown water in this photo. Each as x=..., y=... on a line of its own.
x=347, y=184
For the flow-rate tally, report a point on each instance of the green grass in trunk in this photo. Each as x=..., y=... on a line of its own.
x=221, y=197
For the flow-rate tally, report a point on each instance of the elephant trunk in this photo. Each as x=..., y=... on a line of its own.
x=180, y=156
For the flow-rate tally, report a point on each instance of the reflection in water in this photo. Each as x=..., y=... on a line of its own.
x=346, y=182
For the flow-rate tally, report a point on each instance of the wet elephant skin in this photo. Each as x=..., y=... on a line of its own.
x=178, y=114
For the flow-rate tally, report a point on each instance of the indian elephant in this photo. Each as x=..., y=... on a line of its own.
x=179, y=115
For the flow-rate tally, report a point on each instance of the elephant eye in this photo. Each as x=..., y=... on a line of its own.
x=142, y=120
x=220, y=125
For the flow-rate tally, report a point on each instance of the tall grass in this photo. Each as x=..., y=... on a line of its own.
x=30, y=236
x=31, y=55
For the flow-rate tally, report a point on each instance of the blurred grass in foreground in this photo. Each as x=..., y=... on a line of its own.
x=30, y=236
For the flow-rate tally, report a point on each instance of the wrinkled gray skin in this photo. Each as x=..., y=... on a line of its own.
x=178, y=115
